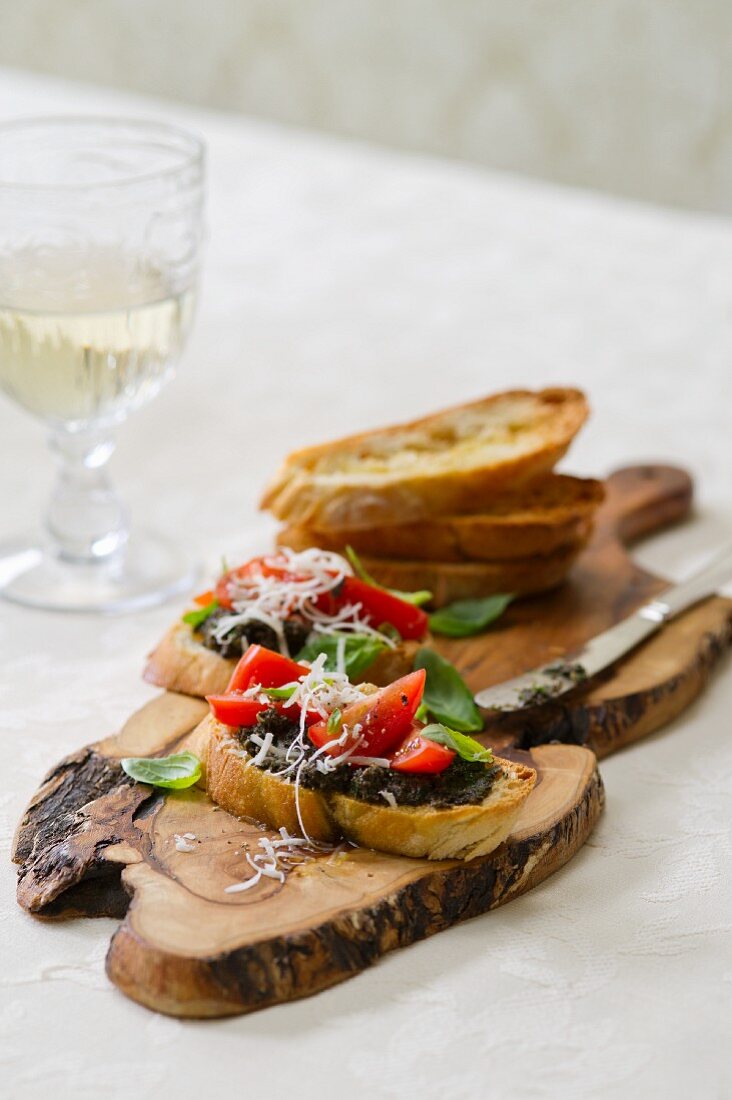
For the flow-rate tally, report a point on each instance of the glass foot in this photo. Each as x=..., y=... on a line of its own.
x=150, y=570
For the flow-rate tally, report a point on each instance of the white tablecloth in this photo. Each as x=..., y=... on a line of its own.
x=345, y=287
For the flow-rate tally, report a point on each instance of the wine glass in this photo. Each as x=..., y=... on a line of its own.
x=101, y=225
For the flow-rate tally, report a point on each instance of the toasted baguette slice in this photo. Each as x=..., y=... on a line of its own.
x=456, y=539
x=181, y=663
x=455, y=832
x=438, y=465
x=551, y=512
x=449, y=581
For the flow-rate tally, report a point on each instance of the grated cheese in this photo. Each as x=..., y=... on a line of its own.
x=371, y=761
x=272, y=599
x=389, y=797
x=319, y=692
x=183, y=842
x=277, y=858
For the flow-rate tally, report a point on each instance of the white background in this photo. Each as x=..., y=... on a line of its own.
x=629, y=96
x=346, y=287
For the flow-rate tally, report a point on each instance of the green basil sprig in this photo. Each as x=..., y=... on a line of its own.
x=446, y=695
x=359, y=651
x=195, y=618
x=416, y=598
x=334, y=723
x=466, y=617
x=285, y=692
x=175, y=772
x=466, y=747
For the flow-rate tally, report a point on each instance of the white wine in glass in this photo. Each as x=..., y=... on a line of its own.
x=100, y=234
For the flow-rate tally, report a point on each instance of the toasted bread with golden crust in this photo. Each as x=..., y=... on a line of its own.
x=438, y=465
x=551, y=512
x=181, y=663
x=454, y=832
x=449, y=581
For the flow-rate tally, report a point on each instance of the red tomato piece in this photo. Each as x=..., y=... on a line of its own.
x=379, y=606
x=383, y=607
x=384, y=717
x=232, y=710
x=263, y=666
x=420, y=756
x=221, y=592
x=266, y=566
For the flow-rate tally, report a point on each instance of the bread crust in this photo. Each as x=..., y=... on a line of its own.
x=180, y=663
x=450, y=581
x=556, y=511
x=445, y=478
x=251, y=792
x=454, y=832
x=456, y=539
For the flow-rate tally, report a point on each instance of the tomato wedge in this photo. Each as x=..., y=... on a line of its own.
x=263, y=666
x=384, y=717
x=232, y=710
x=265, y=566
x=420, y=756
x=379, y=606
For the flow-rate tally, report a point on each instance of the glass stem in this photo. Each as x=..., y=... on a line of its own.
x=85, y=519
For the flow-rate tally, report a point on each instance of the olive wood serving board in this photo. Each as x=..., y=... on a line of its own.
x=91, y=838
x=93, y=843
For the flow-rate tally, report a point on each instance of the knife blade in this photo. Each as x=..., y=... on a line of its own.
x=554, y=679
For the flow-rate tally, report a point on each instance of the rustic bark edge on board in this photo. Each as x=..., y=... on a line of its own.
x=308, y=960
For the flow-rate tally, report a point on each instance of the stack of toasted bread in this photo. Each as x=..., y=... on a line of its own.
x=464, y=503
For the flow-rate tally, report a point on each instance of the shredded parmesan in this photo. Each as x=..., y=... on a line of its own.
x=277, y=858
x=264, y=749
x=389, y=797
x=316, y=692
x=309, y=574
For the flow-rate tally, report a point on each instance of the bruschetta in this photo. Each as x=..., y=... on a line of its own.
x=306, y=751
x=298, y=603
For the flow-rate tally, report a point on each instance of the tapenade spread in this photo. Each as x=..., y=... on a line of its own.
x=462, y=783
x=232, y=644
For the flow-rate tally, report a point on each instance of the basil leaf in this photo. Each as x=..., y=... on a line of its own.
x=195, y=618
x=421, y=713
x=446, y=695
x=390, y=631
x=416, y=598
x=419, y=599
x=359, y=651
x=466, y=747
x=334, y=723
x=466, y=617
x=280, y=693
x=180, y=770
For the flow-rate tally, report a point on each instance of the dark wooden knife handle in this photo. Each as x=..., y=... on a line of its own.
x=644, y=499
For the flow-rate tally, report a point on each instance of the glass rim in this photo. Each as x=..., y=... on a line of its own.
x=193, y=149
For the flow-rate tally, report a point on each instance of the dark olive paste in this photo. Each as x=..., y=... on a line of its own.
x=236, y=640
x=463, y=783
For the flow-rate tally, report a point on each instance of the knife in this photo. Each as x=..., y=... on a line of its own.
x=552, y=680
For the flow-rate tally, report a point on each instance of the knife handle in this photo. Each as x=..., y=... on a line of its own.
x=697, y=587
